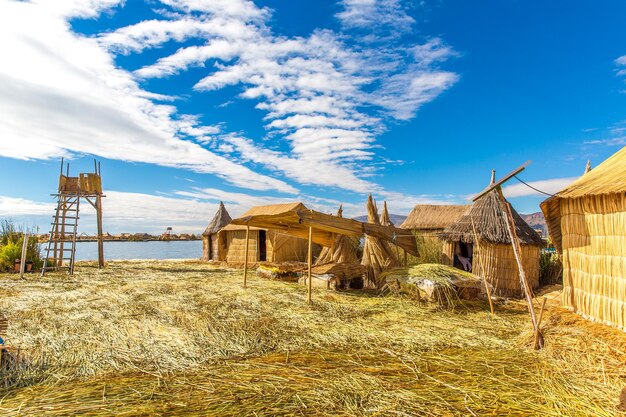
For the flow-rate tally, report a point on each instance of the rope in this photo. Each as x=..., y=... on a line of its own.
x=530, y=186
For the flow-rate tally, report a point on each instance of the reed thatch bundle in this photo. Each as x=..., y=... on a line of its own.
x=587, y=223
x=344, y=249
x=385, y=220
x=378, y=256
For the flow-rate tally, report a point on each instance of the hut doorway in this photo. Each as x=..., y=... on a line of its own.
x=262, y=245
x=463, y=256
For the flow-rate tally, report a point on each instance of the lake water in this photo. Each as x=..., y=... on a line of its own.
x=180, y=249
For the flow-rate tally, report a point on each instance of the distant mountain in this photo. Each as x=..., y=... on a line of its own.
x=536, y=221
x=396, y=219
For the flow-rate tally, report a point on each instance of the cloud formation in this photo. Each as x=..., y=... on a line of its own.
x=314, y=88
x=61, y=93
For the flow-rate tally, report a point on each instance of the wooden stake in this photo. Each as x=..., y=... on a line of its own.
x=482, y=272
x=245, y=262
x=510, y=225
x=100, y=236
x=536, y=343
x=23, y=258
x=309, y=261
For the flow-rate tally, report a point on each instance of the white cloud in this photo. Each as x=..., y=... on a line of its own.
x=327, y=95
x=551, y=186
x=60, y=93
x=314, y=88
x=388, y=15
x=10, y=206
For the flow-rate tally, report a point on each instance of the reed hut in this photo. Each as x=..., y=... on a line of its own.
x=214, y=249
x=378, y=255
x=587, y=224
x=480, y=236
x=344, y=249
x=265, y=245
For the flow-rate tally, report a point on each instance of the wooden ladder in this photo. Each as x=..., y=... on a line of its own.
x=61, y=248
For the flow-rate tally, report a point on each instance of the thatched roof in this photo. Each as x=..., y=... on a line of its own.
x=433, y=217
x=384, y=217
x=220, y=220
x=607, y=178
x=274, y=209
x=490, y=224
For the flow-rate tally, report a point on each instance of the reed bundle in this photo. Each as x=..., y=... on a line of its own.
x=378, y=255
x=183, y=338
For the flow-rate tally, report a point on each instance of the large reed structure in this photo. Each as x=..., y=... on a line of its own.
x=587, y=223
x=343, y=250
x=214, y=248
x=265, y=244
x=378, y=254
x=481, y=235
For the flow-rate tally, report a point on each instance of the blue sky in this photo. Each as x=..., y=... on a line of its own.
x=189, y=102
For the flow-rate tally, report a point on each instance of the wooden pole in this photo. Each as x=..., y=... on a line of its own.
x=510, y=225
x=245, y=262
x=23, y=258
x=482, y=272
x=543, y=306
x=309, y=261
x=100, y=235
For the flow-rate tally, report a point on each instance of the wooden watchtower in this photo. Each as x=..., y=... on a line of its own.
x=61, y=248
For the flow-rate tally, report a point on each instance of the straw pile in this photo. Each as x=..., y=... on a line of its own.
x=184, y=338
x=378, y=255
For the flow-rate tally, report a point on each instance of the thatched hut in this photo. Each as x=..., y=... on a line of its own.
x=344, y=249
x=214, y=249
x=431, y=219
x=378, y=255
x=480, y=236
x=587, y=224
x=264, y=245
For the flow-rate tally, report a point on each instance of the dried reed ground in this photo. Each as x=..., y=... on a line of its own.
x=183, y=338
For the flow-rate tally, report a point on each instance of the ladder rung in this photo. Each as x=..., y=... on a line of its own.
x=64, y=224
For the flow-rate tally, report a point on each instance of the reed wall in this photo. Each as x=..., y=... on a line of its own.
x=497, y=263
x=280, y=247
x=594, y=257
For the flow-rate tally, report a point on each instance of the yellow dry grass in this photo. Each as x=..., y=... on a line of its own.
x=184, y=338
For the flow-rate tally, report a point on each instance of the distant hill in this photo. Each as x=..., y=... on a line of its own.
x=396, y=219
x=536, y=221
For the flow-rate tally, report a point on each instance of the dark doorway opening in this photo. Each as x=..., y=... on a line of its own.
x=463, y=256
x=262, y=245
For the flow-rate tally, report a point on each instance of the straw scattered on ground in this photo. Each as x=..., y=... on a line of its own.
x=184, y=338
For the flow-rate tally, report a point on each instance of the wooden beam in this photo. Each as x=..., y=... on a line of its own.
x=100, y=232
x=245, y=261
x=309, y=262
x=23, y=258
x=502, y=180
x=517, y=251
